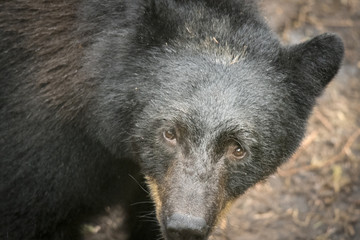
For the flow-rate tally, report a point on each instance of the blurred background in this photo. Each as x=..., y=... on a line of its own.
x=315, y=195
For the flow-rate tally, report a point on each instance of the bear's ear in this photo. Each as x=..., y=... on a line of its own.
x=315, y=62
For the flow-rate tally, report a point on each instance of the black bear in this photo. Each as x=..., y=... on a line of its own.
x=197, y=98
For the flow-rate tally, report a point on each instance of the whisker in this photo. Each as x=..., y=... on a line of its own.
x=138, y=184
x=138, y=203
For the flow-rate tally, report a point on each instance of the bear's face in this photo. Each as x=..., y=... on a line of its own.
x=212, y=128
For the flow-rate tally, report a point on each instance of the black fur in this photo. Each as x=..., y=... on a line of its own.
x=88, y=88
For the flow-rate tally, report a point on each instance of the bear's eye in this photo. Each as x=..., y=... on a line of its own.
x=170, y=136
x=236, y=151
x=239, y=152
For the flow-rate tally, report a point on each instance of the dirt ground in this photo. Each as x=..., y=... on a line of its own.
x=315, y=195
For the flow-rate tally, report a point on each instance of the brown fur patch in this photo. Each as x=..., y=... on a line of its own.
x=154, y=192
x=224, y=212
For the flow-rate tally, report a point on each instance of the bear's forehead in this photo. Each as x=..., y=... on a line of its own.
x=208, y=94
x=212, y=110
x=191, y=71
x=218, y=91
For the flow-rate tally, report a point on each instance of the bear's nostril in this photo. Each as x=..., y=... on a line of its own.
x=181, y=226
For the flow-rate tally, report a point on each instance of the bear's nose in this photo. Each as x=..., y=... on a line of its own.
x=181, y=226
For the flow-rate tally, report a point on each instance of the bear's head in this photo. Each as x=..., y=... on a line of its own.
x=216, y=124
